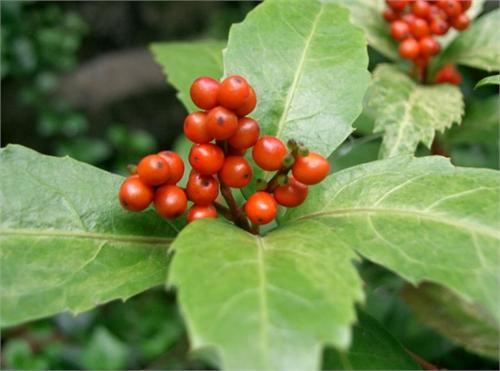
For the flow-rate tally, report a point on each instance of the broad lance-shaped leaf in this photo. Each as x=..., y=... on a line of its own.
x=477, y=46
x=308, y=65
x=372, y=348
x=422, y=218
x=265, y=303
x=466, y=324
x=183, y=62
x=490, y=80
x=409, y=113
x=65, y=241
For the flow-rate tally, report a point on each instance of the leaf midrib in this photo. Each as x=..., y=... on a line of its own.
x=85, y=235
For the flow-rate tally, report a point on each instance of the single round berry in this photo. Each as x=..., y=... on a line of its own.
x=153, y=170
x=400, y=30
x=310, y=169
x=429, y=46
x=134, y=194
x=246, y=135
x=170, y=201
x=197, y=212
x=421, y=8
x=206, y=158
x=195, y=128
x=448, y=74
x=175, y=165
x=439, y=26
x=234, y=91
x=202, y=189
x=268, y=153
x=466, y=4
x=460, y=22
x=261, y=208
x=409, y=49
x=420, y=28
x=436, y=13
x=291, y=194
x=390, y=15
x=397, y=5
x=409, y=18
x=451, y=7
x=249, y=104
x=236, y=172
x=204, y=91
x=221, y=123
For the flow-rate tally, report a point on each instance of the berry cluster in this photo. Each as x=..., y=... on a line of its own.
x=415, y=24
x=222, y=133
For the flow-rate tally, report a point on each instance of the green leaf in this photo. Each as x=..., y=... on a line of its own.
x=268, y=303
x=422, y=218
x=373, y=348
x=477, y=46
x=490, y=80
x=466, y=324
x=409, y=113
x=183, y=62
x=308, y=66
x=65, y=241
x=104, y=352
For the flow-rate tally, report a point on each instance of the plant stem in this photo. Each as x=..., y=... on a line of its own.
x=422, y=362
x=237, y=215
x=255, y=229
x=273, y=182
x=223, y=210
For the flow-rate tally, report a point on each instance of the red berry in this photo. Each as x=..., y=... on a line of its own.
x=134, y=195
x=466, y=4
x=439, y=26
x=448, y=74
x=421, y=8
x=206, y=158
x=397, y=5
x=246, y=135
x=451, y=7
x=436, y=12
x=261, y=208
x=310, y=169
x=400, y=30
x=170, y=201
x=249, y=104
x=234, y=91
x=268, y=153
x=291, y=194
x=197, y=212
x=409, y=18
x=202, y=189
x=420, y=28
x=460, y=22
x=195, y=128
x=153, y=170
x=409, y=49
x=221, y=123
x=204, y=91
x=236, y=172
x=429, y=46
x=175, y=164
x=390, y=15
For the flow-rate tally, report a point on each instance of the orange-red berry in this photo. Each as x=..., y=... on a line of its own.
x=134, y=194
x=310, y=169
x=439, y=26
x=153, y=170
x=236, y=172
x=397, y=5
x=246, y=135
x=261, y=208
x=429, y=46
x=221, y=123
x=269, y=152
x=291, y=194
x=420, y=28
x=390, y=15
x=206, y=158
x=451, y=7
x=400, y=30
x=448, y=74
x=204, y=91
x=234, y=91
x=249, y=104
x=197, y=212
x=409, y=49
x=421, y=8
x=170, y=201
x=460, y=22
x=466, y=4
x=202, y=189
x=175, y=165
x=195, y=128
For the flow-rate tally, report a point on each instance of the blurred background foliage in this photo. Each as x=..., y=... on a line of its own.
x=78, y=80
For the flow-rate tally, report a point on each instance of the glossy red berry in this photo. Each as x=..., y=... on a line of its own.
x=261, y=208
x=390, y=15
x=170, y=201
x=420, y=28
x=409, y=49
x=197, y=212
x=310, y=169
x=153, y=170
x=436, y=13
x=236, y=172
x=249, y=104
x=206, y=158
x=175, y=165
x=234, y=91
x=221, y=123
x=400, y=30
x=134, y=194
x=268, y=153
x=291, y=194
x=429, y=46
x=204, y=91
x=397, y=5
x=448, y=74
x=246, y=134
x=466, y=4
x=460, y=22
x=195, y=128
x=439, y=26
x=421, y=8
x=451, y=7
x=202, y=189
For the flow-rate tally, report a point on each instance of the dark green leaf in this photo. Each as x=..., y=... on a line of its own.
x=490, y=80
